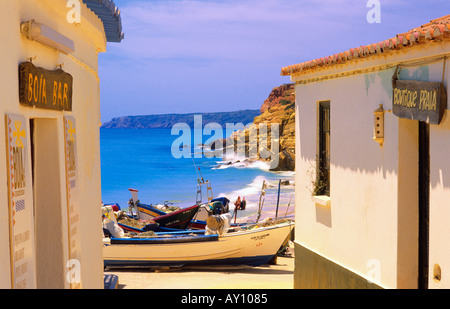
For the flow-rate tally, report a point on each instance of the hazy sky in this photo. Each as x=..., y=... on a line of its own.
x=185, y=56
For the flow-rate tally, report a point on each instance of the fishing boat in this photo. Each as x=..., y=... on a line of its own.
x=167, y=216
x=180, y=219
x=164, y=215
x=251, y=245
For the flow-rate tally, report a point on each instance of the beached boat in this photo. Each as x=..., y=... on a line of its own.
x=165, y=216
x=248, y=245
x=179, y=219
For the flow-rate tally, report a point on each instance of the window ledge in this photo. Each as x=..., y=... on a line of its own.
x=322, y=200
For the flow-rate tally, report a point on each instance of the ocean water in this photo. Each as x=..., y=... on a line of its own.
x=142, y=159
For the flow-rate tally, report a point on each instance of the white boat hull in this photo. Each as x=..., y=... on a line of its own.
x=253, y=247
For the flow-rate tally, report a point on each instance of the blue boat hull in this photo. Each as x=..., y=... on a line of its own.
x=247, y=261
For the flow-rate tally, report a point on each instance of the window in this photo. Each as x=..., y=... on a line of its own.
x=323, y=165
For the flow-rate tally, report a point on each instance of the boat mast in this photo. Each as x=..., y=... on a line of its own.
x=289, y=205
x=201, y=181
x=261, y=200
x=278, y=199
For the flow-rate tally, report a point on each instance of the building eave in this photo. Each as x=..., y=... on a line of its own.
x=434, y=31
x=109, y=14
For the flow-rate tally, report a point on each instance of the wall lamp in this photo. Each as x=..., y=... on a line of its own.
x=47, y=36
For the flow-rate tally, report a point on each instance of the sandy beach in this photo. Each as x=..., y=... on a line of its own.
x=279, y=276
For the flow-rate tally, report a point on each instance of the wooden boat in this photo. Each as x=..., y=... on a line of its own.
x=131, y=223
x=169, y=217
x=178, y=219
x=248, y=245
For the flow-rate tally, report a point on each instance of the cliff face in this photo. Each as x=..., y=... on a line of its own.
x=278, y=108
x=282, y=95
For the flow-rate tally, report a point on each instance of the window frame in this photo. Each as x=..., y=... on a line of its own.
x=324, y=147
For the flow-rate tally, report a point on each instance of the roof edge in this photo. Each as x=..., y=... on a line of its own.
x=109, y=14
x=435, y=30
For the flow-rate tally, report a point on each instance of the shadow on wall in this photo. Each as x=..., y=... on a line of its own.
x=323, y=215
x=439, y=166
x=353, y=100
x=352, y=106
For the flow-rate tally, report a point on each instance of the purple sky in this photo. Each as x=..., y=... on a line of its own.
x=185, y=56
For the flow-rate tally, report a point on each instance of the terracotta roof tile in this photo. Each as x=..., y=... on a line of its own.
x=436, y=30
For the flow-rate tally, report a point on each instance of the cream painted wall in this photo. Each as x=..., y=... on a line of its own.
x=369, y=226
x=440, y=194
x=363, y=184
x=82, y=65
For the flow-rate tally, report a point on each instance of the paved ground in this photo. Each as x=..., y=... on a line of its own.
x=279, y=276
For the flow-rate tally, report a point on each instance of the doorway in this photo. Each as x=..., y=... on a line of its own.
x=424, y=203
x=47, y=203
x=413, y=204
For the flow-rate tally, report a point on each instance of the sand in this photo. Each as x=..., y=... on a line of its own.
x=279, y=276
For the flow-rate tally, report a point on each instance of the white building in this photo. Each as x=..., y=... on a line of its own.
x=50, y=189
x=372, y=164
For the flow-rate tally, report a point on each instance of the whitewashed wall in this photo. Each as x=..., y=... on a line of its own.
x=82, y=65
x=371, y=224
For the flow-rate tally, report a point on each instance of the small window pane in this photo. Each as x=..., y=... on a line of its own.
x=324, y=148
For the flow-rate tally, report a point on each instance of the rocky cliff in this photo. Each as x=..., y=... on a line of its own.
x=282, y=95
x=278, y=108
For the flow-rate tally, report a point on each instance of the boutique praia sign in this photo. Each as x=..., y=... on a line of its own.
x=21, y=221
x=415, y=100
x=73, y=211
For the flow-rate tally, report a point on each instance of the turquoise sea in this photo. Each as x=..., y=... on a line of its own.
x=141, y=159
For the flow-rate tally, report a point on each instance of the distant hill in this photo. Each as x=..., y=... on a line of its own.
x=167, y=121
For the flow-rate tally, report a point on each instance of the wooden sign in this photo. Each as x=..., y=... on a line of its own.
x=45, y=89
x=73, y=211
x=424, y=101
x=21, y=217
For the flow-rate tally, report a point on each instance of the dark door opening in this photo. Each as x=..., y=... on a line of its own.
x=424, y=203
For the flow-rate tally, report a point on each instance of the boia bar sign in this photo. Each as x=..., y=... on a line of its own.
x=423, y=101
x=45, y=89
